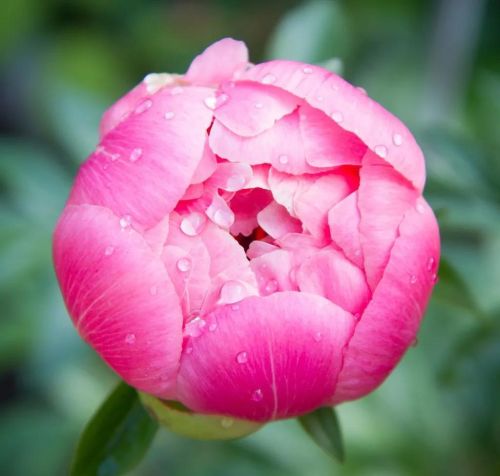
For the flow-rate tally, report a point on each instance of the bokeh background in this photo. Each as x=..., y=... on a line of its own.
x=436, y=64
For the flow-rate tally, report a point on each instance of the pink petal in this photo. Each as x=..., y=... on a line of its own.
x=343, y=220
x=144, y=165
x=206, y=166
x=258, y=248
x=326, y=144
x=111, y=280
x=274, y=272
x=265, y=358
x=276, y=221
x=219, y=62
x=313, y=201
x=231, y=177
x=252, y=108
x=383, y=198
x=382, y=132
x=332, y=276
x=220, y=213
x=245, y=206
x=390, y=322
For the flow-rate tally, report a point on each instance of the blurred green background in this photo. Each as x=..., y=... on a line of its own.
x=436, y=64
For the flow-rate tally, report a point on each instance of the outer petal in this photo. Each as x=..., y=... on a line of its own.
x=147, y=149
x=383, y=198
x=266, y=358
x=382, y=132
x=343, y=220
x=252, y=108
x=390, y=322
x=111, y=281
x=219, y=62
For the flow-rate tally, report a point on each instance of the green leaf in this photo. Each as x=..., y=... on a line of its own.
x=323, y=427
x=116, y=438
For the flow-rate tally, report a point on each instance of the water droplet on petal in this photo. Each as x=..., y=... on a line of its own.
x=235, y=182
x=194, y=328
x=221, y=99
x=430, y=263
x=397, y=139
x=242, y=358
x=268, y=79
x=415, y=342
x=212, y=327
x=169, y=115
x=109, y=250
x=231, y=292
x=318, y=336
x=114, y=157
x=210, y=102
x=189, y=350
x=143, y=107
x=283, y=159
x=337, y=116
x=258, y=105
x=293, y=275
x=135, y=155
x=420, y=207
x=227, y=422
x=177, y=90
x=223, y=218
x=192, y=224
x=271, y=286
x=125, y=221
x=307, y=70
x=130, y=339
x=257, y=396
x=153, y=290
x=381, y=151
x=184, y=264
x=434, y=277
x=413, y=279
x=361, y=90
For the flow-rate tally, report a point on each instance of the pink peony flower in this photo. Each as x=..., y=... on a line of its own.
x=251, y=241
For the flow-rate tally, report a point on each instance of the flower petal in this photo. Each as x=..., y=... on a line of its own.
x=219, y=62
x=265, y=358
x=276, y=221
x=328, y=274
x=252, y=108
x=383, y=198
x=147, y=149
x=382, y=132
x=111, y=279
x=390, y=321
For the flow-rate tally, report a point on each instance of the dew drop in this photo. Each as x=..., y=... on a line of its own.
x=130, y=339
x=189, y=350
x=361, y=90
x=184, y=264
x=226, y=422
x=223, y=218
x=397, y=139
x=271, y=286
x=413, y=279
x=192, y=224
x=430, y=264
x=169, y=115
x=257, y=396
x=307, y=70
x=114, y=157
x=231, y=292
x=109, y=250
x=415, y=342
x=258, y=105
x=153, y=290
x=434, y=277
x=135, y=155
x=337, y=116
x=242, y=358
x=283, y=159
x=125, y=221
x=293, y=275
x=143, y=107
x=210, y=102
x=381, y=151
x=212, y=327
x=268, y=79
x=194, y=328
x=420, y=207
